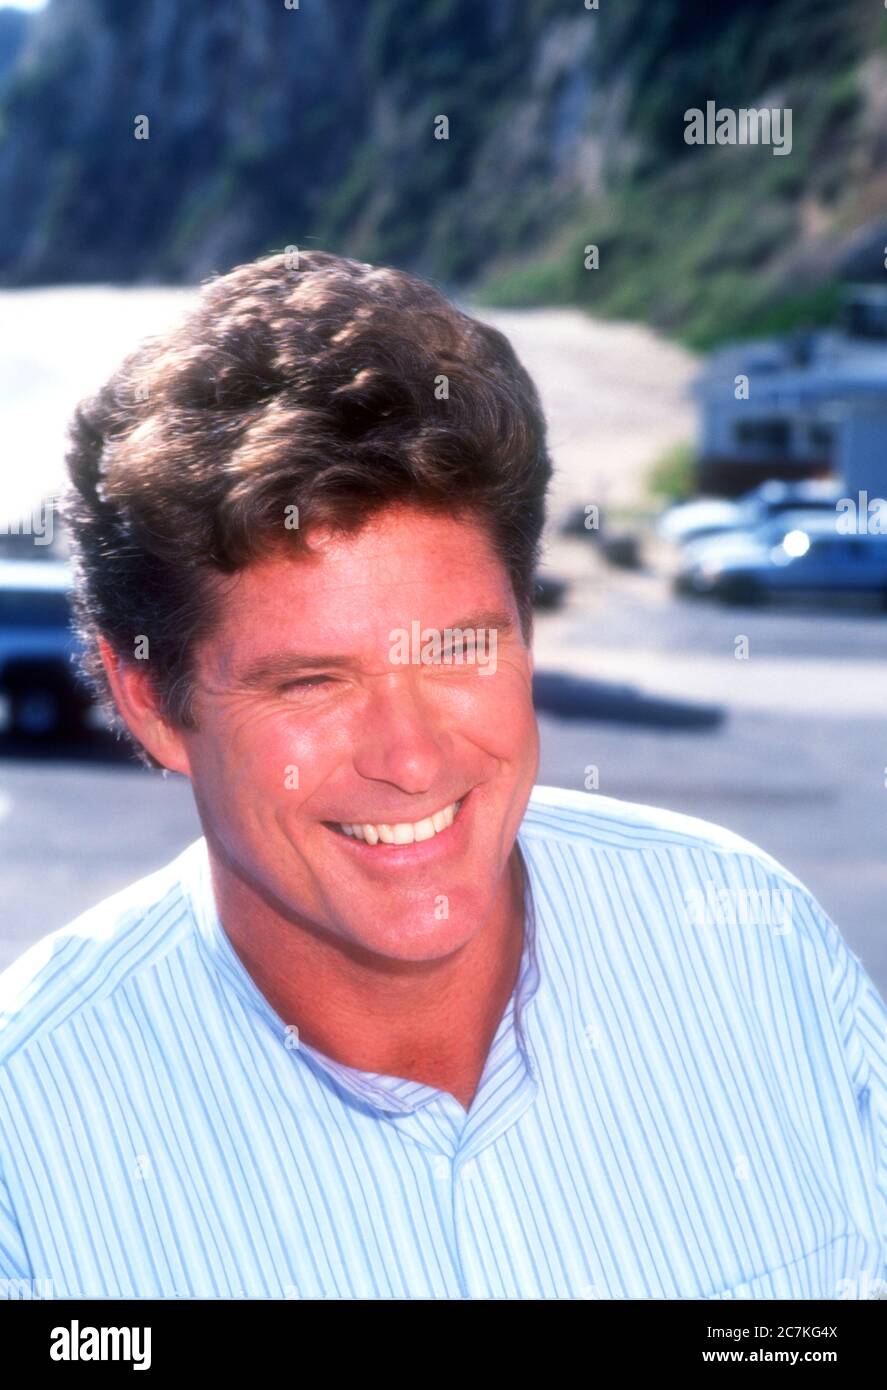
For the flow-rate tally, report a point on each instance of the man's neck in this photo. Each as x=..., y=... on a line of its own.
x=427, y=1021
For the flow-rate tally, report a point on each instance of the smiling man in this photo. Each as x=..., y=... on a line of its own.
x=372, y=806
x=400, y=1023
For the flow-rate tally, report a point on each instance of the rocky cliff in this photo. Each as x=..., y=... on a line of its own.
x=161, y=142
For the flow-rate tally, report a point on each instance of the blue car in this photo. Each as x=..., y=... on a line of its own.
x=38, y=649
x=712, y=516
x=793, y=554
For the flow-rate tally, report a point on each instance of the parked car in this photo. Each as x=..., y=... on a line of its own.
x=798, y=553
x=38, y=649
x=767, y=532
x=710, y=516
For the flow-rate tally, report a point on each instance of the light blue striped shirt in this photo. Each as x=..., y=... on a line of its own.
x=686, y=1098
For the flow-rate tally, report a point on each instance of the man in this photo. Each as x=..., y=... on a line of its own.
x=400, y=1024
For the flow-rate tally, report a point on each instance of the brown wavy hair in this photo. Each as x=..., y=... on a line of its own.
x=311, y=382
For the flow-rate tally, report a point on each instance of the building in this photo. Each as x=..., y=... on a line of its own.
x=803, y=406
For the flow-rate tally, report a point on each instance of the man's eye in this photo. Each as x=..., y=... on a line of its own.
x=304, y=683
x=457, y=654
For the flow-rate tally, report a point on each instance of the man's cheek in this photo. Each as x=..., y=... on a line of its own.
x=241, y=772
x=503, y=720
x=286, y=768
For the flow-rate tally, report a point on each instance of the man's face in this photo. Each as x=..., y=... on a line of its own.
x=324, y=700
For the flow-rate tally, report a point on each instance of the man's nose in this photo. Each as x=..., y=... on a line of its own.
x=399, y=741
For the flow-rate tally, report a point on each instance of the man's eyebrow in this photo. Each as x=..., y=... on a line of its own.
x=485, y=620
x=277, y=665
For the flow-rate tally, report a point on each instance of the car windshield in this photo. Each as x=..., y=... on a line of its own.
x=823, y=503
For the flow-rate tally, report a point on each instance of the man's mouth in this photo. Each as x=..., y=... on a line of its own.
x=401, y=832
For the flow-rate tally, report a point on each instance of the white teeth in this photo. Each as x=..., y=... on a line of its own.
x=405, y=832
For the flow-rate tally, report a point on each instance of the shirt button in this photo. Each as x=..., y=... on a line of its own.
x=468, y=1170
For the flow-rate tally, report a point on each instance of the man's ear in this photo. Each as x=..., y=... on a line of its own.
x=136, y=700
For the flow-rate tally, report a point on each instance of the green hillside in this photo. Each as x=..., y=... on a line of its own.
x=271, y=127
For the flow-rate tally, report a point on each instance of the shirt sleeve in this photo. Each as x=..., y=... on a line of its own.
x=862, y=1020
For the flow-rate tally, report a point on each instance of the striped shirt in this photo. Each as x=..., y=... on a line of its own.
x=686, y=1097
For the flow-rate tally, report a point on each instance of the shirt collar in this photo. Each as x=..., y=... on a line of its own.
x=387, y=1093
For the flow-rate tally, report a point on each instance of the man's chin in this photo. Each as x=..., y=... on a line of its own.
x=416, y=936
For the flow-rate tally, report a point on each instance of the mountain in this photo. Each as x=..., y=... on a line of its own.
x=270, y=126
